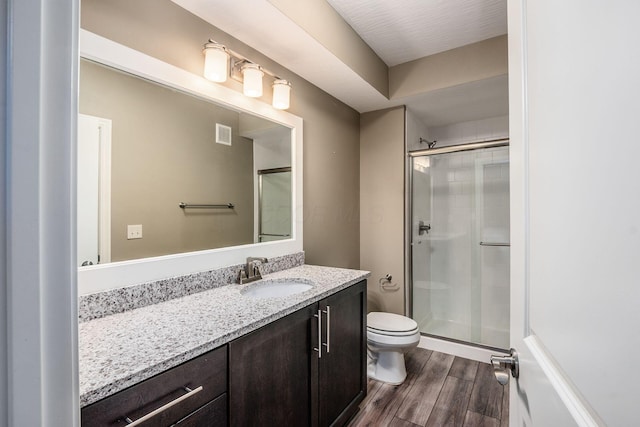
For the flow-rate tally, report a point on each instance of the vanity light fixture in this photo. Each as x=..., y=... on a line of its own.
x=220, y=63
x=281, y=93
x=216, y=62
x=252, y=85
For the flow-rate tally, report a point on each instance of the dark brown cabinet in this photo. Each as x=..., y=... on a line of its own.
x=192, y=394
x=343, y=368
x=308, y=368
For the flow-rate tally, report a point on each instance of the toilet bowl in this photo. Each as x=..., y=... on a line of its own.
x=389, y=336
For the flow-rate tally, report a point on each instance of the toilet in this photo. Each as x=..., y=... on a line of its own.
x=389, y=336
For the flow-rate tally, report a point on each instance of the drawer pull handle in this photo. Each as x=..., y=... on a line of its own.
x=319, y=348
x=328, y=343
x=131, y=423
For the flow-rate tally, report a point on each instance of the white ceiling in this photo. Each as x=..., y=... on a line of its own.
x=398, y=30
x=403, y=30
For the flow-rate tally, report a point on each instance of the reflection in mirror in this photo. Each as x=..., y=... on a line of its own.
x=144, y=148
x=274, y=188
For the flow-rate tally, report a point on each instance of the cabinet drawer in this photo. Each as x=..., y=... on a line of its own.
x=208, y=371
x=213, y=414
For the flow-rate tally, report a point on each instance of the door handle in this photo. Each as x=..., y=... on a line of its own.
x=319, y=348
x=328, y=343
x=503, y=364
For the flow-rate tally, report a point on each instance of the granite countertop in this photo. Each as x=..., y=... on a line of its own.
x=123, y=349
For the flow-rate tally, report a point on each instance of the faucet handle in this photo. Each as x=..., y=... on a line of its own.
x=251, y=271
x=256, y=273
x=242, y=276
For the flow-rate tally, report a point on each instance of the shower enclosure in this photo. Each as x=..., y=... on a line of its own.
x=274, y=204
x=459, y=243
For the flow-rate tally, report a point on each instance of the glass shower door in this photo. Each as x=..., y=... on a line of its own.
x=460, y=245
x=274, y=204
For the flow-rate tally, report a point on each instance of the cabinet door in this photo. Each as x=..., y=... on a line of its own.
x=273, y=373
x=343, y=376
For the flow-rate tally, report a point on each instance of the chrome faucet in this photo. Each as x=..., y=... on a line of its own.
x=251, y=271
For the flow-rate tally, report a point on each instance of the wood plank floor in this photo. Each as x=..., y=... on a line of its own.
x=440, y=390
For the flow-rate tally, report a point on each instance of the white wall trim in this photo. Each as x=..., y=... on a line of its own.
x=582, y=413
x=104, y=227
x=457, y=349
x=41, y=129
x=4, y=202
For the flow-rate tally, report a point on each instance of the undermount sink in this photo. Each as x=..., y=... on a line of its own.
x=277, y=288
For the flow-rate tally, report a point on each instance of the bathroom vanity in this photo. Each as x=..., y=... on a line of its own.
x=166, y=340
x=229, y=356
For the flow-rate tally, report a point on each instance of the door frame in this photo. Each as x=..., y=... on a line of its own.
x=104, y=185
x=38, y=347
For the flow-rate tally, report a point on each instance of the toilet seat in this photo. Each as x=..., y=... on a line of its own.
x=391, y=324
x=376, y=339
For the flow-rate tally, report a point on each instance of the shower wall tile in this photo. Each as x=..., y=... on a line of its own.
x=471, y=131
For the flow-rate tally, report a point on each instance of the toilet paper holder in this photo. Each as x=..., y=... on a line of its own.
x=386, y=285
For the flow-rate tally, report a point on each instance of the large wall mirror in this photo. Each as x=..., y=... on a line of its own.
x=177, y=174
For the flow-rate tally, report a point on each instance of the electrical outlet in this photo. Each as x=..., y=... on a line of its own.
x=134, y=232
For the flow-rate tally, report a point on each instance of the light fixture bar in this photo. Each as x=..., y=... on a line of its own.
x=237, y=65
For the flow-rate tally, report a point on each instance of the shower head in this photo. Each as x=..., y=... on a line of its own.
x=430, y=144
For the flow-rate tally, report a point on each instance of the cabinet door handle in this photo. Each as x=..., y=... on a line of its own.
x=131, y=423
x=319, y=348
x=328, y=343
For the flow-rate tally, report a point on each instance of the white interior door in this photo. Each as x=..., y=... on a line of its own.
x=575, y=206
x=94, y=190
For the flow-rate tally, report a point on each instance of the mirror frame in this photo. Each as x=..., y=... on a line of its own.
x=103, y=277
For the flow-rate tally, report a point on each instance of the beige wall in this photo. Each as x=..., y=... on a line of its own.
x=163, y=152
x=382, y=154
x=331, y=144
x=469, y=63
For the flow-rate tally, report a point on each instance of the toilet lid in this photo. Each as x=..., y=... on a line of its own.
x=389, y=322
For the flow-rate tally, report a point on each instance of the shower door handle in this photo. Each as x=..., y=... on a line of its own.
x=423, y=228
x=502, y=365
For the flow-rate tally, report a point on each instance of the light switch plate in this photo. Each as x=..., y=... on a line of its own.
x=134, y=232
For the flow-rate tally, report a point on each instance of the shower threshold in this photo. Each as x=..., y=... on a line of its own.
x=461, y=333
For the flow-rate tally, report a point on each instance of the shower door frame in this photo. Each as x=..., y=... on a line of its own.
x=261, y=173
x=408, y=300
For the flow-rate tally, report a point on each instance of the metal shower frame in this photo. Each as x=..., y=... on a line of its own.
x=408, y=250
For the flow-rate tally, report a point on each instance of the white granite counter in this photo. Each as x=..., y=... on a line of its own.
x=123, y=349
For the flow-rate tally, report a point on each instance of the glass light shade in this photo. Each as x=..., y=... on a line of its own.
x=281, y=94
x=252, y=80
x=216, y=63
